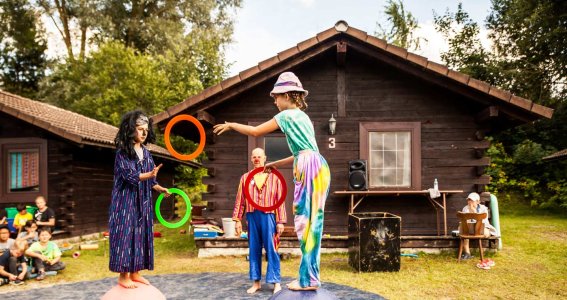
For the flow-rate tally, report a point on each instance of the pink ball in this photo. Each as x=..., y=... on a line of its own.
x=142, y=292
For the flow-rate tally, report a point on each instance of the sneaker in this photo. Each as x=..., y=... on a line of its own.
x=16, y=282
x=466, y=256
x=4, y=281
x=40, y=276
x=483, y=265
x=489, y=262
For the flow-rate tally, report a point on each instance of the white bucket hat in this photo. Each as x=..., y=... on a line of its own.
x=474, y=197
x=288, y=82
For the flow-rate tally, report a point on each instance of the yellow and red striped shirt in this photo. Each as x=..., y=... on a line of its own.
x=268, y=196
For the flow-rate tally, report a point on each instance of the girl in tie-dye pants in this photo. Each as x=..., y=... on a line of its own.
x=312, y=179
x=310, y=171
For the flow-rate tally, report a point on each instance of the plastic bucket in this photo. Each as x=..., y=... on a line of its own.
x=228, y=226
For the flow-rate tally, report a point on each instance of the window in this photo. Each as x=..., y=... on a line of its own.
x=276, y=148
x=23, y=172
x=393, y=154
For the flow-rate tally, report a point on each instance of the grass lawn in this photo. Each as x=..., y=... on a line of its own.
x=532, y=264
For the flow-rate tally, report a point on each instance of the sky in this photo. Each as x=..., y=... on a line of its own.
x=265, y=27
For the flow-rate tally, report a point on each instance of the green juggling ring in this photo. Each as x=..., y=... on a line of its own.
x=187, y=213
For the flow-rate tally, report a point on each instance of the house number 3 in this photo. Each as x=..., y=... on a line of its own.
x=331, y=143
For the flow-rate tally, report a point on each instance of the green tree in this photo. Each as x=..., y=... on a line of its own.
x=465, y=52
x=22, y=48
x=530, y=37
x=402, y=26
x=528, y=58
x=73, y=19
x=112, y=81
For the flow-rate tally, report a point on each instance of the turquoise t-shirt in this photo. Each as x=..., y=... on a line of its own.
x=298, y=130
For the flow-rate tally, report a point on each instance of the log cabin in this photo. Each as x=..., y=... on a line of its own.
x=69, y=159
x=411, y=120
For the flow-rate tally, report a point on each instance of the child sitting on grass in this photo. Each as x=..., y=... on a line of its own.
x=22, y=217
x=30, y=235
x=46, y=255
x=10, y=261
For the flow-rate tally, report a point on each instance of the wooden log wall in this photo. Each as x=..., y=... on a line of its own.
x=80, y=180
x=372, y=91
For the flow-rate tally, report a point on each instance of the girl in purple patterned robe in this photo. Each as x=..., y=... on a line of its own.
x=131, y=214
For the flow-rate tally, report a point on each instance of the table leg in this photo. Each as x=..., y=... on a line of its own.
x=445, y=213
x=351, y=208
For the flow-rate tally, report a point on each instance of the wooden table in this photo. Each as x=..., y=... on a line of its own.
x=434, y=202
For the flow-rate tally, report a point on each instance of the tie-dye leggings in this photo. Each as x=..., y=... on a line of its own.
x=312, y=179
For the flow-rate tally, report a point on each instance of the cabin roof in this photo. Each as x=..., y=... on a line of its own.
x=271, y=67
x=69, y=125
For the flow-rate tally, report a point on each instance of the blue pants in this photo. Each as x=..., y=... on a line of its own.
x=261, y=231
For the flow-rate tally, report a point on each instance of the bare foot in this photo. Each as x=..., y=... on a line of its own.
x=138, y=278
x=277, y=287
x=294, y=286
x=125, y=282
x=293, y=282
x=256, y=287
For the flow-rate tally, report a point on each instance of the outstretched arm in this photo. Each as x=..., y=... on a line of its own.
x=259, y=130
x=278, y=163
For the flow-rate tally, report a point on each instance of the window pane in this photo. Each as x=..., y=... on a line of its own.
x=390, y=159
x=23, y=170
x=403, y=140
x=276, y=148
x=376, y=140
x=377, y=159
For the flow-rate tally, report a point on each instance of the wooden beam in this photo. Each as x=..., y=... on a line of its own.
x=205, y=116
x=211, y=188
x=341, y=79
x=210, y=154
x=486, y=114
x=211, y=172
x=341, y=53
x=479, y=152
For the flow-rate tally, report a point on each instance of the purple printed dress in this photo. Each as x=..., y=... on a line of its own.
x=131, y=215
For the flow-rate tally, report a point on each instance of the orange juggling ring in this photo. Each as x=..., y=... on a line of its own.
x=202, y=138
x=256, y=205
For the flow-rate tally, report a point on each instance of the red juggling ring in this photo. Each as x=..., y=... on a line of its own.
x=256, y=205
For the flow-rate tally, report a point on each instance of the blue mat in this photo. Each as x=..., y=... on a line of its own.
x=180, y=286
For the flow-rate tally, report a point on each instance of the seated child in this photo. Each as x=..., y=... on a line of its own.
x=474, y=206
x=30, y=235
x=22, y=217
x=10, y=261
x=45, y=253
x=5, y=241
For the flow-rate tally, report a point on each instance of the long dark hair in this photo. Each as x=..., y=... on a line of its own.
x=124, y=139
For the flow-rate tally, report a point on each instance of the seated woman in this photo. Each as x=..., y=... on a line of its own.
x=474, y=206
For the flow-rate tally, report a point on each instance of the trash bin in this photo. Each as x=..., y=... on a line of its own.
x=374, y=241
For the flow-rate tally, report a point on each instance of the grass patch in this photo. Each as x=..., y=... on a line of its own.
x=531, y=265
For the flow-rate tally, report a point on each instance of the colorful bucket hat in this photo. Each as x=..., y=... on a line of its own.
x=288, y=82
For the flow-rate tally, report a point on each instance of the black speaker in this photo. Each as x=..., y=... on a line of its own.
x=357, y=175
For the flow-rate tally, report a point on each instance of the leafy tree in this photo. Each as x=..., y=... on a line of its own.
x=73, y=19
x=402, y=27
x=465, y=52
x=528, y=58
x=112, y=81
x=530, y=36
x=22, y=48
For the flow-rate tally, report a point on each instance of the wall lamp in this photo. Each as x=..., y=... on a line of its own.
x=332, y=125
